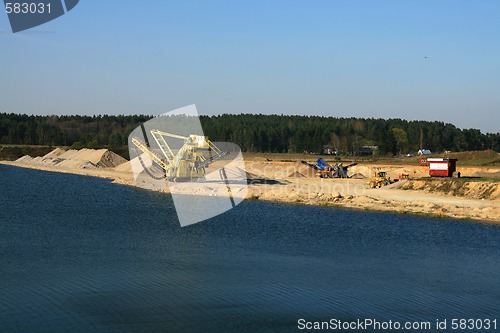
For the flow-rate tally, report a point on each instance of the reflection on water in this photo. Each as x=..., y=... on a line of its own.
x=81, y=254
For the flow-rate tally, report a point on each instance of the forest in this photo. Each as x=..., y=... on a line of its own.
x=256, y=133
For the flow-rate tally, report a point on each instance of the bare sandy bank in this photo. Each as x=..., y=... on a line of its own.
x=356, y=194
x=293, y=182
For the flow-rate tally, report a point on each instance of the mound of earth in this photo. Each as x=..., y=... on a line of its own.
x=358, y=175
x=460, y=188
x=296, y=174
x=55, y=153
x=124, y=167
x=78, y=159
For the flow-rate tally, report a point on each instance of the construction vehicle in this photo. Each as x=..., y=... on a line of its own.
x=380, y=180
x=187, y=163
x=326, y=170
x=402, y=176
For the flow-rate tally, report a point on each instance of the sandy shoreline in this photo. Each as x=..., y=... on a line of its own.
x=349, y=193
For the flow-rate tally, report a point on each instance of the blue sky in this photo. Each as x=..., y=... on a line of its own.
x=428, y=60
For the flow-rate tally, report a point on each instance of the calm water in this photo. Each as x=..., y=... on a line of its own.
x=81, y=254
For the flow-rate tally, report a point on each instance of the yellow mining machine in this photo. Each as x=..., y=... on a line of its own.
x=380, y=180
x=187, y=163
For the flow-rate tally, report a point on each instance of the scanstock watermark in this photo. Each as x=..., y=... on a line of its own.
x=374, y=325
x=362, y=324
x=27, y=14
x=170, y=153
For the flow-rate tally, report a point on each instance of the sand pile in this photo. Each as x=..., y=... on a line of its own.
x=237, y=173
x=100, y=157
x=306, y=170
x=25, y=159
x=358, y=175
x=296, y=174
x=77, y=159
x=55, y=153
x=124, y=167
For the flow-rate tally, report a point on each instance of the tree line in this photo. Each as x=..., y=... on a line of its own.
x=256, y=133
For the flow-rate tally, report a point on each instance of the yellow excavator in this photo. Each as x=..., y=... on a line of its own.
x=187, y=163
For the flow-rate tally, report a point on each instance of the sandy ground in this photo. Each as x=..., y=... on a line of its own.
x=356, y=194
x=294, y=182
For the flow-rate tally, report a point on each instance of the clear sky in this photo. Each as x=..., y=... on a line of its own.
x=422, y=59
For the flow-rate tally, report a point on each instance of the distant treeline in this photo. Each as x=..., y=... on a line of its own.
x=256, y=133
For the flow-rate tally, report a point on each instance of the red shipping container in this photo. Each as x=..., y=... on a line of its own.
x=442, y=167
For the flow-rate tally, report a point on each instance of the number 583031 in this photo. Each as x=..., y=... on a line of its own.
x=27, y=8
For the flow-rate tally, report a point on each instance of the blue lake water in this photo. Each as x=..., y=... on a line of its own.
x=79, y=254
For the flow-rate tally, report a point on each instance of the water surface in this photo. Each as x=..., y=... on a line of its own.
x=81, y=254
